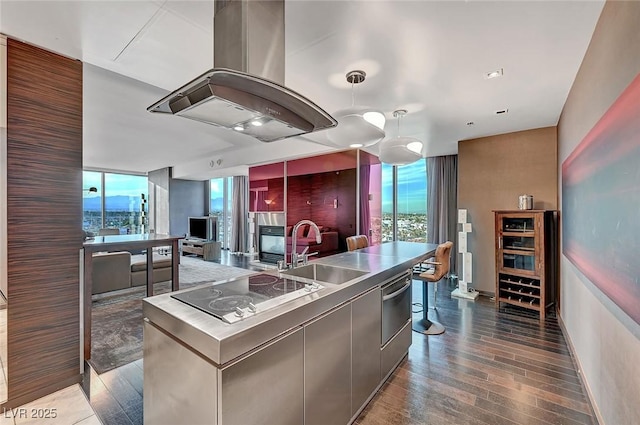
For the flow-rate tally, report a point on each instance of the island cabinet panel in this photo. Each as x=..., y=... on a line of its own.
x=266, y=387
x=180, y=387
x=366, y=324
x=327, y=368
x=395, y=350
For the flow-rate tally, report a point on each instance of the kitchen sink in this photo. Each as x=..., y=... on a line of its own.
x=324, y=273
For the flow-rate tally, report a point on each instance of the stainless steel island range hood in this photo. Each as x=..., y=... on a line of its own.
x=244, y=92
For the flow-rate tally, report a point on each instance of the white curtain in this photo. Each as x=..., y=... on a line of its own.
x=442, y=203
x=240, y=214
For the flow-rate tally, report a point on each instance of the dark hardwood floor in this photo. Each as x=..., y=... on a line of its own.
x=489, y=367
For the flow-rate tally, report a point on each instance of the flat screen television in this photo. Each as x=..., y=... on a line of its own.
x=203, y=228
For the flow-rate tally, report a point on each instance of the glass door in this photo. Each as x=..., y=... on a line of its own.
x=518, y=224
x=523, y=262
x=517, y=250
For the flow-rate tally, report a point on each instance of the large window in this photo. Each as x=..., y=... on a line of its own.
x=92, y=201
x=116, y=202
x=387, y=203
x=220, y=206
x=216, y=207
x=410, y=201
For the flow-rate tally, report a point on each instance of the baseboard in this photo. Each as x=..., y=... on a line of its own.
x=576, y=362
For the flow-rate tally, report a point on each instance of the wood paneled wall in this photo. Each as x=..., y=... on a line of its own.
x=44, y=208
x=492, y=172
x=299, y=199
x=341, y=186
x=321, y=189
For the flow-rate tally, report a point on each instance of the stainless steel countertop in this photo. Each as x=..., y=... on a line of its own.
x=222, y=342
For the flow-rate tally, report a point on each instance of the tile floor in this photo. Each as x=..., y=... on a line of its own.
x=68, y=406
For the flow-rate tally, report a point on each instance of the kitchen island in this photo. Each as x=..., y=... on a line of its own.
x=317, y=356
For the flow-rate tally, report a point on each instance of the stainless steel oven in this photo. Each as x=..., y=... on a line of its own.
x=396, y=305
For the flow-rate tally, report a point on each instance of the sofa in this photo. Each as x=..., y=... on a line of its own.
x=161, y=268
x=111, y=271
x=306, y=237
x=120, y=270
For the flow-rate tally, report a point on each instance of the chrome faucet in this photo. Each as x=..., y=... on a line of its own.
x=303, y=256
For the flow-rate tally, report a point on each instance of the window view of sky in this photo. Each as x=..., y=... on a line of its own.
x=412, y=188
x=123, y=189
x=125, y=185
x=217, y=194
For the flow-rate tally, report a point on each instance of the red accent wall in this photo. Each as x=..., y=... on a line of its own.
x=322, y=163
x=299, y=202
x=313, y=184
x=321, y=190
x=266, y=187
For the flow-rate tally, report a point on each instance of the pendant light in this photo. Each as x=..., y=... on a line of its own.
x=400, y=150
x=358, y=126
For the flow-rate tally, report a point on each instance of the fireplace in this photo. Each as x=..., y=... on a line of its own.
x=271, y=243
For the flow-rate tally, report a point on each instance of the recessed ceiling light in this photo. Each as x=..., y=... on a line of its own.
x=256, y=123
x=356, y=145
x=502, y=111
x=493, y=74
x=238, y=128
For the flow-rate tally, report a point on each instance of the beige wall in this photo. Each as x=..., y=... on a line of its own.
x=605, y=340
x=492, y=173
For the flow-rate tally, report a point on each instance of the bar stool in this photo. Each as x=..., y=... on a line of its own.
x=357, y=242
x=432, y=274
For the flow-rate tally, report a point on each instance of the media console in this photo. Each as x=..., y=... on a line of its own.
x=208, y=250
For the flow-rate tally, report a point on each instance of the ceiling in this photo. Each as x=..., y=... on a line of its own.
x=428, y=57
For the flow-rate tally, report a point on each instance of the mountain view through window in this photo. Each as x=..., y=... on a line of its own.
x=121, y=196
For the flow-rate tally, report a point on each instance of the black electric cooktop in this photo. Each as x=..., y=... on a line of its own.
x=245, y=296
